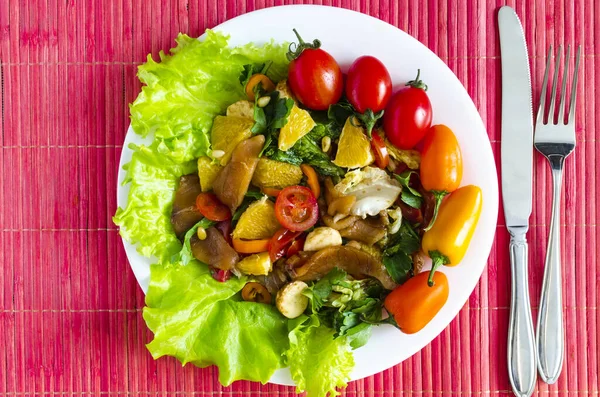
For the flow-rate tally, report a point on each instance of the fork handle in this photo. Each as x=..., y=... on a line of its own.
x=550, y=332
x=521, y=340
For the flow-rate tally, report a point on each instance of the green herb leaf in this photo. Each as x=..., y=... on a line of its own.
x=399, y=266
x=410, y=199
x=404, y=179
x=339, y=112
x=406, y=240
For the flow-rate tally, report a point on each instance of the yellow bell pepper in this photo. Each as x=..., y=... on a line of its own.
x=447, y=241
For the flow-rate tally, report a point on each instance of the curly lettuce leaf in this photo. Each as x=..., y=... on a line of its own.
x=146, y=220
x=184, y=91
x=318, y=363
x=201, y=321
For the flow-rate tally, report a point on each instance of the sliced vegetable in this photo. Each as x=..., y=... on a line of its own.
x=290, y=300
x=313, y=75
x=279, y=242
x=447, y=241
x=271, y=191
x=441, y=165
x=185, y=213
x=186, y=255
x=256, y=292
x=382, y=158
x=214, y=250
x=250, y=246
x=231, y=185
x=253, y=83
x=375, y=191
x=296, y=246
x=408, y=115
x=414, y=304
x=312, y=179
x=322, y=237
x=353, y=260
x=257, y=264
x=296, y=208
x=211, y=208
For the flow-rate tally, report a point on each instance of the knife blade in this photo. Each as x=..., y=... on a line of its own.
x=517, y=170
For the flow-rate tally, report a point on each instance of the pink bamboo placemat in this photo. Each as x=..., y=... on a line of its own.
x=70, y=308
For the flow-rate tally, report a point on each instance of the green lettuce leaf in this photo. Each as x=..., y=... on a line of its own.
x=318, y=363
x=202, y=321
x=146, y=220
x=187, y=89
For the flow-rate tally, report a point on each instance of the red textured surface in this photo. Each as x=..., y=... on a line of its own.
x=70, y=308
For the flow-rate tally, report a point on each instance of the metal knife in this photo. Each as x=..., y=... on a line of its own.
x=517, y=170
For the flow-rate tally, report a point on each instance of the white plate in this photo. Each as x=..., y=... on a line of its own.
x=346, y=35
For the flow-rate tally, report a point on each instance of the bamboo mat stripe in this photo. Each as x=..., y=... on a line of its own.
x=70, y=308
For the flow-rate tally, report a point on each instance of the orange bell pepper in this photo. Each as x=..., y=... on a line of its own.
x=312, y=179
x=414, y=303
x=271, y=191
x=441, y=165
x=266, y=82
x=250, y=246
x=447, y=241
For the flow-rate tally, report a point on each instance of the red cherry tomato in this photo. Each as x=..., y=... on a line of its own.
x=279, y=242
x=313, y=75
x=212, y=208
x=369, y=85
x=408, y=115
x=382, y=158
x=296, y=208
x=296, y=246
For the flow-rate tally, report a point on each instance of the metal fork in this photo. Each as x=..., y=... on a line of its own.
x=555, y=139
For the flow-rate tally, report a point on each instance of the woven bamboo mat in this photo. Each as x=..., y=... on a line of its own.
x=70, y=308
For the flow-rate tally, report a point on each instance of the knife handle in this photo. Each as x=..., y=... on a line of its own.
x=521, y=341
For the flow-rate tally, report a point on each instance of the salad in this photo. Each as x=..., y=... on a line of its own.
x=289, y=208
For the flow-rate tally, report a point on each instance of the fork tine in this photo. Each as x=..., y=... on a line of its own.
x=562, y=104
x=571, y=118
x=542, y=107
x=554, y=80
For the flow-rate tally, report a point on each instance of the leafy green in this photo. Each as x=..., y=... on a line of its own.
x=338, y=113
x=343, y=303
x=187, y=89
x=410, y=195
x=319, y=363
x=146, y=220
x=273, y=116
x=399, y=266
x=185, y=255
x=308, y=151
x=397, y=257
x=202, y=321
x=410, y=199
x=251, y=69
x=406, y=240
